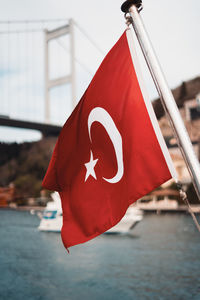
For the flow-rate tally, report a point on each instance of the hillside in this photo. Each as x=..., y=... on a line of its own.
x=25, y=165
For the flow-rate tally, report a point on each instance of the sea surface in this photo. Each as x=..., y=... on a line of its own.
x=161, y=260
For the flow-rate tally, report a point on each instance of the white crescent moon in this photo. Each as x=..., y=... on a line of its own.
x=100, y=115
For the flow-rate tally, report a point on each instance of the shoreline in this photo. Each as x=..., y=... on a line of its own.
x=24, y=208
x=180, y=209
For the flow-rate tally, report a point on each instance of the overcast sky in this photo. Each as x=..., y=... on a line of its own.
x=173, y=27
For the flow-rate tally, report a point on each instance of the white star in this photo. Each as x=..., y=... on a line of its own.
x=90, y=167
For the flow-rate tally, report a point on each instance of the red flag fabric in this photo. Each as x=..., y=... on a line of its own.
x=108, y=154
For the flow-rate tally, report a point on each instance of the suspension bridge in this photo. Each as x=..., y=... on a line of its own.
x=45, y=67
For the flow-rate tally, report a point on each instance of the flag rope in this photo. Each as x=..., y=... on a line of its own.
x=184, y=197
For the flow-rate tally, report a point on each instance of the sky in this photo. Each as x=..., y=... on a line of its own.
x=172, y=27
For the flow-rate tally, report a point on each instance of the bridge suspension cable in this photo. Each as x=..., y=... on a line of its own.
x=76, y=59
x=22, y=67
x=89, y=38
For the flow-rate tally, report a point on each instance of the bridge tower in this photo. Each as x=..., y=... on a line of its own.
x=67, y=79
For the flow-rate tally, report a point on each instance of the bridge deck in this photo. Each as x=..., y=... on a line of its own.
x=45, y=129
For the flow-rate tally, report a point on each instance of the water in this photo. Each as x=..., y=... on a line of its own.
x=160, y=261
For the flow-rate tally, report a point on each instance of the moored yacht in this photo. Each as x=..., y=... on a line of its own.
x=51, y=219
x=131, y=218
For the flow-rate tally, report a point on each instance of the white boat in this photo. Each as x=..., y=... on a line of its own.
x=51, y=220
x=132, y=217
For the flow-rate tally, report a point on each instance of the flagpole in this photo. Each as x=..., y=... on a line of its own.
x=133, y=7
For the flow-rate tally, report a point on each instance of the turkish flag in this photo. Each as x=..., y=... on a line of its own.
x=110, y=151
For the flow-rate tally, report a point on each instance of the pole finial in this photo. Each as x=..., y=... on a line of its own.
x=128, y=3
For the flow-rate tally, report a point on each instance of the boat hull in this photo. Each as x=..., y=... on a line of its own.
x=126, y=225
x=51, y=225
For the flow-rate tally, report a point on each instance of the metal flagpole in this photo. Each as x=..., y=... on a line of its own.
x=133, y=7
